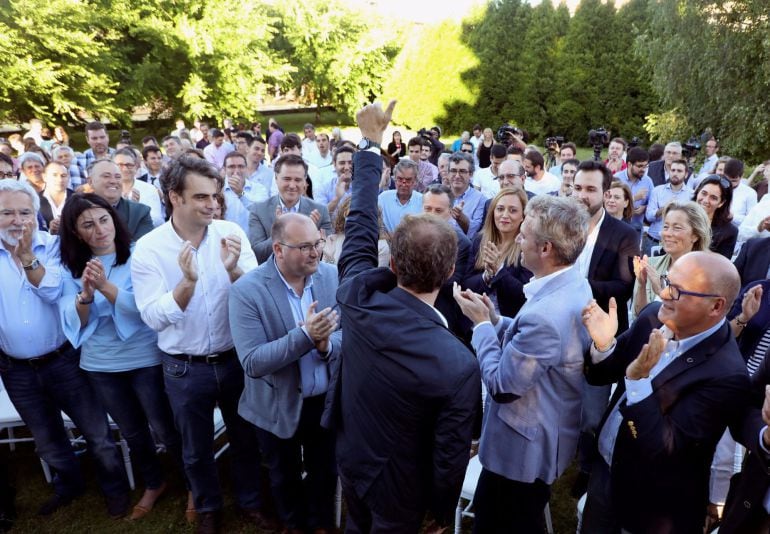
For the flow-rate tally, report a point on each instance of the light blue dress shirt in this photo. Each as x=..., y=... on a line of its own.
x=637, y=221
x=638, y=390
x=313, y=369
x=392, y=209
x=473, y=208
x=115, y=338
x=29, y=321
x=662, y=195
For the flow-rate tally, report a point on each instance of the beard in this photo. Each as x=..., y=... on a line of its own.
x=7, y=237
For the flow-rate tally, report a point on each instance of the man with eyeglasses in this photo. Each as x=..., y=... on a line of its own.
x=680, y=380
x=137, y=190
x=467, y=199
x=509, y=174
x=403, y=200
x=6, y=168
x=286, y=334
x=240, y=192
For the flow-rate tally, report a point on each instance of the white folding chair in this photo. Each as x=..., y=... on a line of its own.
x=581, y=505
x=219, y=429
x=468, y=491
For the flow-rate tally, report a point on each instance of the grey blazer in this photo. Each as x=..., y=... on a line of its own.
x=269, y=344
x=262, y=217
x=535, y=382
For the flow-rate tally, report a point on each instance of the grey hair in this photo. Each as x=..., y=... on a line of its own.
x=674, y=144
x=457, y=157
x=15, y=186
x=561, y=221
x=97, y=162
x=61, y=148
x=24, y=158
x=444, y=155
x=406, y=165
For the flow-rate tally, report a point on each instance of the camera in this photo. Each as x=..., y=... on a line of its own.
x=553, y=143
x=691, y=147
x=634, y=142
x=598, y=138
x=424, y=132
x=506, y=133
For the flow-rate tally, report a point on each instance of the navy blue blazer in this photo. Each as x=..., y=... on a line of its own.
x=753, y=260
x=405, y=390
x=662, y=457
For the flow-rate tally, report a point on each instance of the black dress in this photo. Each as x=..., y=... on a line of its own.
x=723, y=238
x=484, y=154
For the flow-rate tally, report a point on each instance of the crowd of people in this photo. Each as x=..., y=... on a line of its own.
x=375, y=313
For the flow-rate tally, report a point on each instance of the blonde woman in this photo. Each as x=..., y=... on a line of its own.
x=333, y=247
x=495, y=255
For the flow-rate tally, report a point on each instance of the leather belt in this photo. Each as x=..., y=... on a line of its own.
x=217, y=357
x=39, y=361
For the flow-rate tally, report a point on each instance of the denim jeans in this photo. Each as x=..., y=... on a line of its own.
x=135, y=399
x=194, y=389
x=40, y=395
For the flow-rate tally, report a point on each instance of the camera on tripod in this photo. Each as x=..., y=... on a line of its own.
x=598, y=138
x=506, y=134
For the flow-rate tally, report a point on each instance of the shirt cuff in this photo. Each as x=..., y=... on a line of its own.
x=598, y=355
x=637, y=390
x=169, y=308
x=481, y=323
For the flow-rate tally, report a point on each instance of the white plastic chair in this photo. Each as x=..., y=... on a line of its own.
x=581, y=505
x=468, y=491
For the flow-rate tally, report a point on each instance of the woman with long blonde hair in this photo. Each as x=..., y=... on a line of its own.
x=496, y=256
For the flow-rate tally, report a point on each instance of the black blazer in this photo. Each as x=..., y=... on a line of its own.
x=458, y=324
x=403, y=397
x=744, y=509
x=136, y=216
x=45, y=207
x=611, y=271
x=723, y=239
x=753, y=260
x=662, y=457
x=657, y=172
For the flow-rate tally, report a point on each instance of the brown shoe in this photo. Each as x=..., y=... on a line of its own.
x=209, y=522
x=259, y=519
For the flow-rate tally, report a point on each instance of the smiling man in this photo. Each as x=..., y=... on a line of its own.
x=99, y=141
x=290, y=176
x=680, y=380
x=105, y=178
x=403, y=200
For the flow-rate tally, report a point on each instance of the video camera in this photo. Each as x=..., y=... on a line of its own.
x=424, y=132
x=634, y=142
x=691, y=147
x=506, y=134
x=598, y=138
x=552, y=144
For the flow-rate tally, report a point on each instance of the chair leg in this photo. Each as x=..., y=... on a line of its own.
x=459, y=517
x=46, y=471
x=548, y=521
x=11, y=444
x=127, y=462
x=338, y=504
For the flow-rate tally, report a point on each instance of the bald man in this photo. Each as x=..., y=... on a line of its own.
x=680, y=378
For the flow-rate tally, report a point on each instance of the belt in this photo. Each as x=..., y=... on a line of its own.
x=652, y=238
x=39, y=361
x=217, y=357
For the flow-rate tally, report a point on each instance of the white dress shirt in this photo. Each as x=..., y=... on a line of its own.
x=744, y=198
x=204, y=326
x=148, y=195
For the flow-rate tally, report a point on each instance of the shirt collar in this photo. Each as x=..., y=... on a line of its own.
x=533, y=287
x=293, y=209
x=689, y=342
x=289, y=288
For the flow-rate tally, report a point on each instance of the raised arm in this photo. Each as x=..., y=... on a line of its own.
x=359, y=251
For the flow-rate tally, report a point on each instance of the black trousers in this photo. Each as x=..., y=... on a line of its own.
x=380, y=512
x=503, y=506
x=308, y=503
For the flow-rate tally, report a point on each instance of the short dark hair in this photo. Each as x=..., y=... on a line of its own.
x=591, y=165
x=656, y=151
x=458, y=157
x=216, y=132
x=571, y=161
x=733, y=168
x=6, y=159
x=75, y=253
x=95, y=126
x=257, y=139
x=498, y=150
x=424, y=251
x=416, y=141
x=174, y=176
x=231, y=155
x=148, y=138
x=441, y=189
x=146, y=151
x=344, y=149
x=680, y=161
x=535, y=157
x=637, y=154
x=125, y=151
x=245, y=135
x=619, y=140
x=515, y=149
x=172, y=137
x=292, y=160
x=569, y=145
x=291, y=140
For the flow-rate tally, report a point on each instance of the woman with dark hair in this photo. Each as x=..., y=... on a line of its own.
x=119, y=353
x=496, y=255
x=715, y=194
x=619, y=202
x=396, y=148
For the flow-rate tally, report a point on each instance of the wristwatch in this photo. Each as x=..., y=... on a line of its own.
x=32, y=266
x=365, y=143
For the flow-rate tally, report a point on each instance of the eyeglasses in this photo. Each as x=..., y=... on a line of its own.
x=461, y=172
x=126, y=165
x=509, y=177
x=7, y=175
x=305, y=249
x=676, y=292
x=467, y=151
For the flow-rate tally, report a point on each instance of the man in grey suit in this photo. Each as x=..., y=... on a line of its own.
x=290, y=176
x=285, y=332
x=532, y=366
x=105, y=177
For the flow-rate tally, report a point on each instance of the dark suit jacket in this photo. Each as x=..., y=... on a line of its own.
x=723, y=239
x=753, y=260
x=405, y=392
x=508, y=284
x=662, y=456
x=611, y=271
x=45, y=207
x=445, y=302
x=657, y=172
x=136, y=216
x=744, y=507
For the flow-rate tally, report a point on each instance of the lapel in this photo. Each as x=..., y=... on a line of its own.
x=278, y=294
x=697, y=355
x=601, y=241
x=321, y=290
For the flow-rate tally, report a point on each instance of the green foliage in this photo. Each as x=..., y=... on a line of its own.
x=712, y=64
x=426, y=75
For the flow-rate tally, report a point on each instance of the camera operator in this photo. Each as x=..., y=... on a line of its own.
x=566, y=151
x=436, y=146
x=539, y=181
x=615, y=162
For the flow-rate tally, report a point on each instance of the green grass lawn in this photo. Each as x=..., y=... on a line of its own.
x=88, y=514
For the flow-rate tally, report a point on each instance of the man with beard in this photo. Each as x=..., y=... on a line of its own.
x=538, y=181
x=607, y=262
x=635, y=177
x=99, y=141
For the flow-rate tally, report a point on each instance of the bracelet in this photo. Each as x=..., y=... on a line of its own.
x=82, y=301
x=740, y=323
